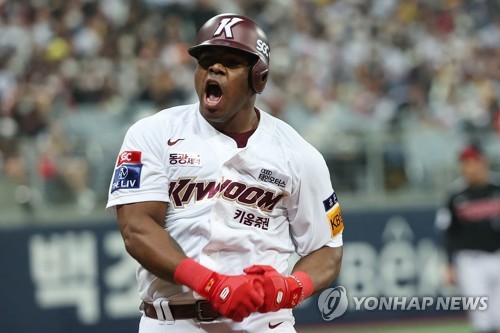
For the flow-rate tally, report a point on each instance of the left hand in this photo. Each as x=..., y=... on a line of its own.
x=279, y=291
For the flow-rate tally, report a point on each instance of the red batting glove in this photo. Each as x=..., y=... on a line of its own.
x=234, y=296
x=281, y=291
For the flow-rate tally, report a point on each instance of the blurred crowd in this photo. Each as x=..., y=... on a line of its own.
x=74, y=74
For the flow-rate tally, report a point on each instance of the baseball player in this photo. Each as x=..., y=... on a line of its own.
x=213, y=198
x=470, y=221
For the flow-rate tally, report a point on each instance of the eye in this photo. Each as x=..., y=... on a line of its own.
x=232, y=63
x=205, y=62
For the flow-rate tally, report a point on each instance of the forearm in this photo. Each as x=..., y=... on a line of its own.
x=147, y=242
x=322, y=266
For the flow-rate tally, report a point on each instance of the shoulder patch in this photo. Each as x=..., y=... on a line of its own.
x=129, y=156
x=332, y=209
x=127, y=176
x=329, y=202
x=128, y=170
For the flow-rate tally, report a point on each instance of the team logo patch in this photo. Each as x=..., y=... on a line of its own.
x=273, y=177
x=127, y=176
x=332, y=209
x=184, y=159
x=129, y=156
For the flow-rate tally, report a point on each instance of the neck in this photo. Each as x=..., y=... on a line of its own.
x=246, y=119
x=243, y=125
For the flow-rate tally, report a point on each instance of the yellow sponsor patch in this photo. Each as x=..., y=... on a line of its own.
x=335, y=218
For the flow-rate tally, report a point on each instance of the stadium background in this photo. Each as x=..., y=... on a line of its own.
x=387, y=90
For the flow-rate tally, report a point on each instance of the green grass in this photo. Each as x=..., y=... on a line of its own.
x=455, y=326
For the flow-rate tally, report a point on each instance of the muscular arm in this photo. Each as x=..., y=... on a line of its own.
x=322, y=265
x=142, y=228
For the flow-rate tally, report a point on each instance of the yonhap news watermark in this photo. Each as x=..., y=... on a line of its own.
x=334, y=302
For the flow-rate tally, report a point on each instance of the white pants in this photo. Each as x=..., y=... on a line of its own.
x=478, y=275
x=255, y=323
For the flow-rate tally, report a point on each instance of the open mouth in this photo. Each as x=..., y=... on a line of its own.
x=213, y=93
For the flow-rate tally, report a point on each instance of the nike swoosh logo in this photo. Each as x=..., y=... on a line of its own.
x=171, y=143
x=271, y=326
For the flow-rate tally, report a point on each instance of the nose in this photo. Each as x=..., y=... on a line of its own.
x=216, y=68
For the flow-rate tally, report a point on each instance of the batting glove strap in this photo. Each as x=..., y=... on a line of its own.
x=304, y=281
x=197, y=277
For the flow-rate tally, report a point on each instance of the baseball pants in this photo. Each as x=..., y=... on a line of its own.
x=478, y=274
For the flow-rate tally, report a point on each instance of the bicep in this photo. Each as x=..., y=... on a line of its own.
x=137, y=211
x=138, y=220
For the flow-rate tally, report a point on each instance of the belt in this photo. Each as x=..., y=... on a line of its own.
x=201, y=310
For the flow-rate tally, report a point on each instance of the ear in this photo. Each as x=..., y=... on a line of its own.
x=258, y=76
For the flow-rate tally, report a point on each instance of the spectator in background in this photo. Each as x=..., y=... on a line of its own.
x=65, y=170
x=470, y=221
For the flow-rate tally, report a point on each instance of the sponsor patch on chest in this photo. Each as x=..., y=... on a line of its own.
x=184, y=159
x=273, y=177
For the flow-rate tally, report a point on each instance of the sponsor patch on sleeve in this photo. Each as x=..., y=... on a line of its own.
x=332, y=209
x=129, y=156
x=330, y=201
x=127, y=176
x=128, y=170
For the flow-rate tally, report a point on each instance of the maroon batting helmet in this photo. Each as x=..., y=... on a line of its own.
x=238, y=32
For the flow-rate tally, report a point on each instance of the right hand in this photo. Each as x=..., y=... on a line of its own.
x=234, y=296
x=280, y=291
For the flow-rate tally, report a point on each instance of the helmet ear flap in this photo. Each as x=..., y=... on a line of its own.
x=258, y=76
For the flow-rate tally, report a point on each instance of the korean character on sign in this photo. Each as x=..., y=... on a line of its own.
x=239, y=215
x=196, y=160
x=64, y=270
x=174, y=158
x=258, y=222
x=248, y=219
x=122, y=299
x=262, y=222
x=183, y=158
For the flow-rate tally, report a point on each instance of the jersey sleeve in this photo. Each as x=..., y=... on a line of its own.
x=139, y=174
x=314, y=213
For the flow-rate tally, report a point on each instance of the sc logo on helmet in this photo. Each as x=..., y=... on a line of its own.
x=262, y=47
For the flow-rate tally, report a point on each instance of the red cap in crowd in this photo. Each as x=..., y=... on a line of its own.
x=470, y=152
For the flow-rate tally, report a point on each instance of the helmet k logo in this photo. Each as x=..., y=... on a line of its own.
x=225, y=26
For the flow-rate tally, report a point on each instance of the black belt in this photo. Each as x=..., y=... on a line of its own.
x=201, y=310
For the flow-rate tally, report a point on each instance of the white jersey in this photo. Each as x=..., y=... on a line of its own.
x=229, y=208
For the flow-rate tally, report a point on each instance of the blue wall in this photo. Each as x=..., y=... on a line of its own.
x=80, y=279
